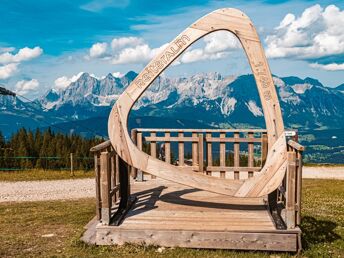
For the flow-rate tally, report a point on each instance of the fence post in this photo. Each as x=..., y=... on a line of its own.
x=105, y=177
x=71, y=165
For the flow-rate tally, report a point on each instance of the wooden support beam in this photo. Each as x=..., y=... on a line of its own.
x=181, y=150
x=236, y=155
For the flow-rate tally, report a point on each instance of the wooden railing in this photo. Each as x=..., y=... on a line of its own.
x=241, y=154
x=233, y=145
x=112, y=184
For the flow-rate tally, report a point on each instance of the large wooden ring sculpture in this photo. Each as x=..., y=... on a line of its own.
x=264, y=181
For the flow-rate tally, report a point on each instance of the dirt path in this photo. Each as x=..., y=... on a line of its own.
x=85, y=188
x=46, y=190
x=323, y=172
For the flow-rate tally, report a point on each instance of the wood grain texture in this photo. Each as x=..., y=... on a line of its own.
x=271, y=175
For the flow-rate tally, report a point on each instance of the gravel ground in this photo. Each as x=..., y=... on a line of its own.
x=46, y=190
x=85, y=188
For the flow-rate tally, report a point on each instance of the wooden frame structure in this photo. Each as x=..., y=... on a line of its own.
x=235, y=198
x=276, y=217
x=271, y=174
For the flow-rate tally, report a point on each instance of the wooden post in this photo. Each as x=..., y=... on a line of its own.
x=222, y=155
x=153, y=149
x=134, y=139
x=105, y=187
x=168, y=148
x=71, y=165
x=291, y=188
x=97, y=177
x=194, y=152
x=200, y=153
x=140, y=176
x=236, y=156
x=209, y=152
x=264, y=148
x=181, y=150
x=250, y=154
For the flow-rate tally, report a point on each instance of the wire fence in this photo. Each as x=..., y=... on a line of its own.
x=21, y=163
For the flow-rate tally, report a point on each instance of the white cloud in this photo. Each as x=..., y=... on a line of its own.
x=329, y=67
x=23, y=54
x=6, y=49
x=134, y=50
x=8, y=70
x=217, y=46
x=317, y=33
x=23, y=87
x=140, y=54
x=117, y=74
x=64, y=81
x=119, y=43
x=98, y=50
x=220, y=41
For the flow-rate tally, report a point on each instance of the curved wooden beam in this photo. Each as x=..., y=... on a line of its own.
x=271, y=175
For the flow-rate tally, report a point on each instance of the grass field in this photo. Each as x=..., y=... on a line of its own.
x=31, y=175
x=53, y=229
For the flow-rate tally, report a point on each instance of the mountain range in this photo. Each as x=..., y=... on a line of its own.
x=201, y=100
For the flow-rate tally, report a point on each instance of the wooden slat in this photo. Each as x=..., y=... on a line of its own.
x=264, y=147
x=291, y=188
x=105, y=187
x=236, y=155
x=118, y=195
x=228, y=169
x=97, y=177
x=299, y=187
x=140, y=173
x=194, y=151
x=209, y=151
x=250, y=154
x=113, y=178
x=170, y=139
x=168, y=148
x=296, y=145
x=101, y=146
x=234, y=139
x=222, y=154
x=134, y=139
x=181, y=150
x=200, y=153
x=153, y=149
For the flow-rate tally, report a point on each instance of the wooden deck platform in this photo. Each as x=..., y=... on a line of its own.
x=170, y=214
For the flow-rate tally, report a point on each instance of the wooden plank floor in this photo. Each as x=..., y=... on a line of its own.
x=169, y=214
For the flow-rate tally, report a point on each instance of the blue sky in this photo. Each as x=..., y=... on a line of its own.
x=46, y=44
